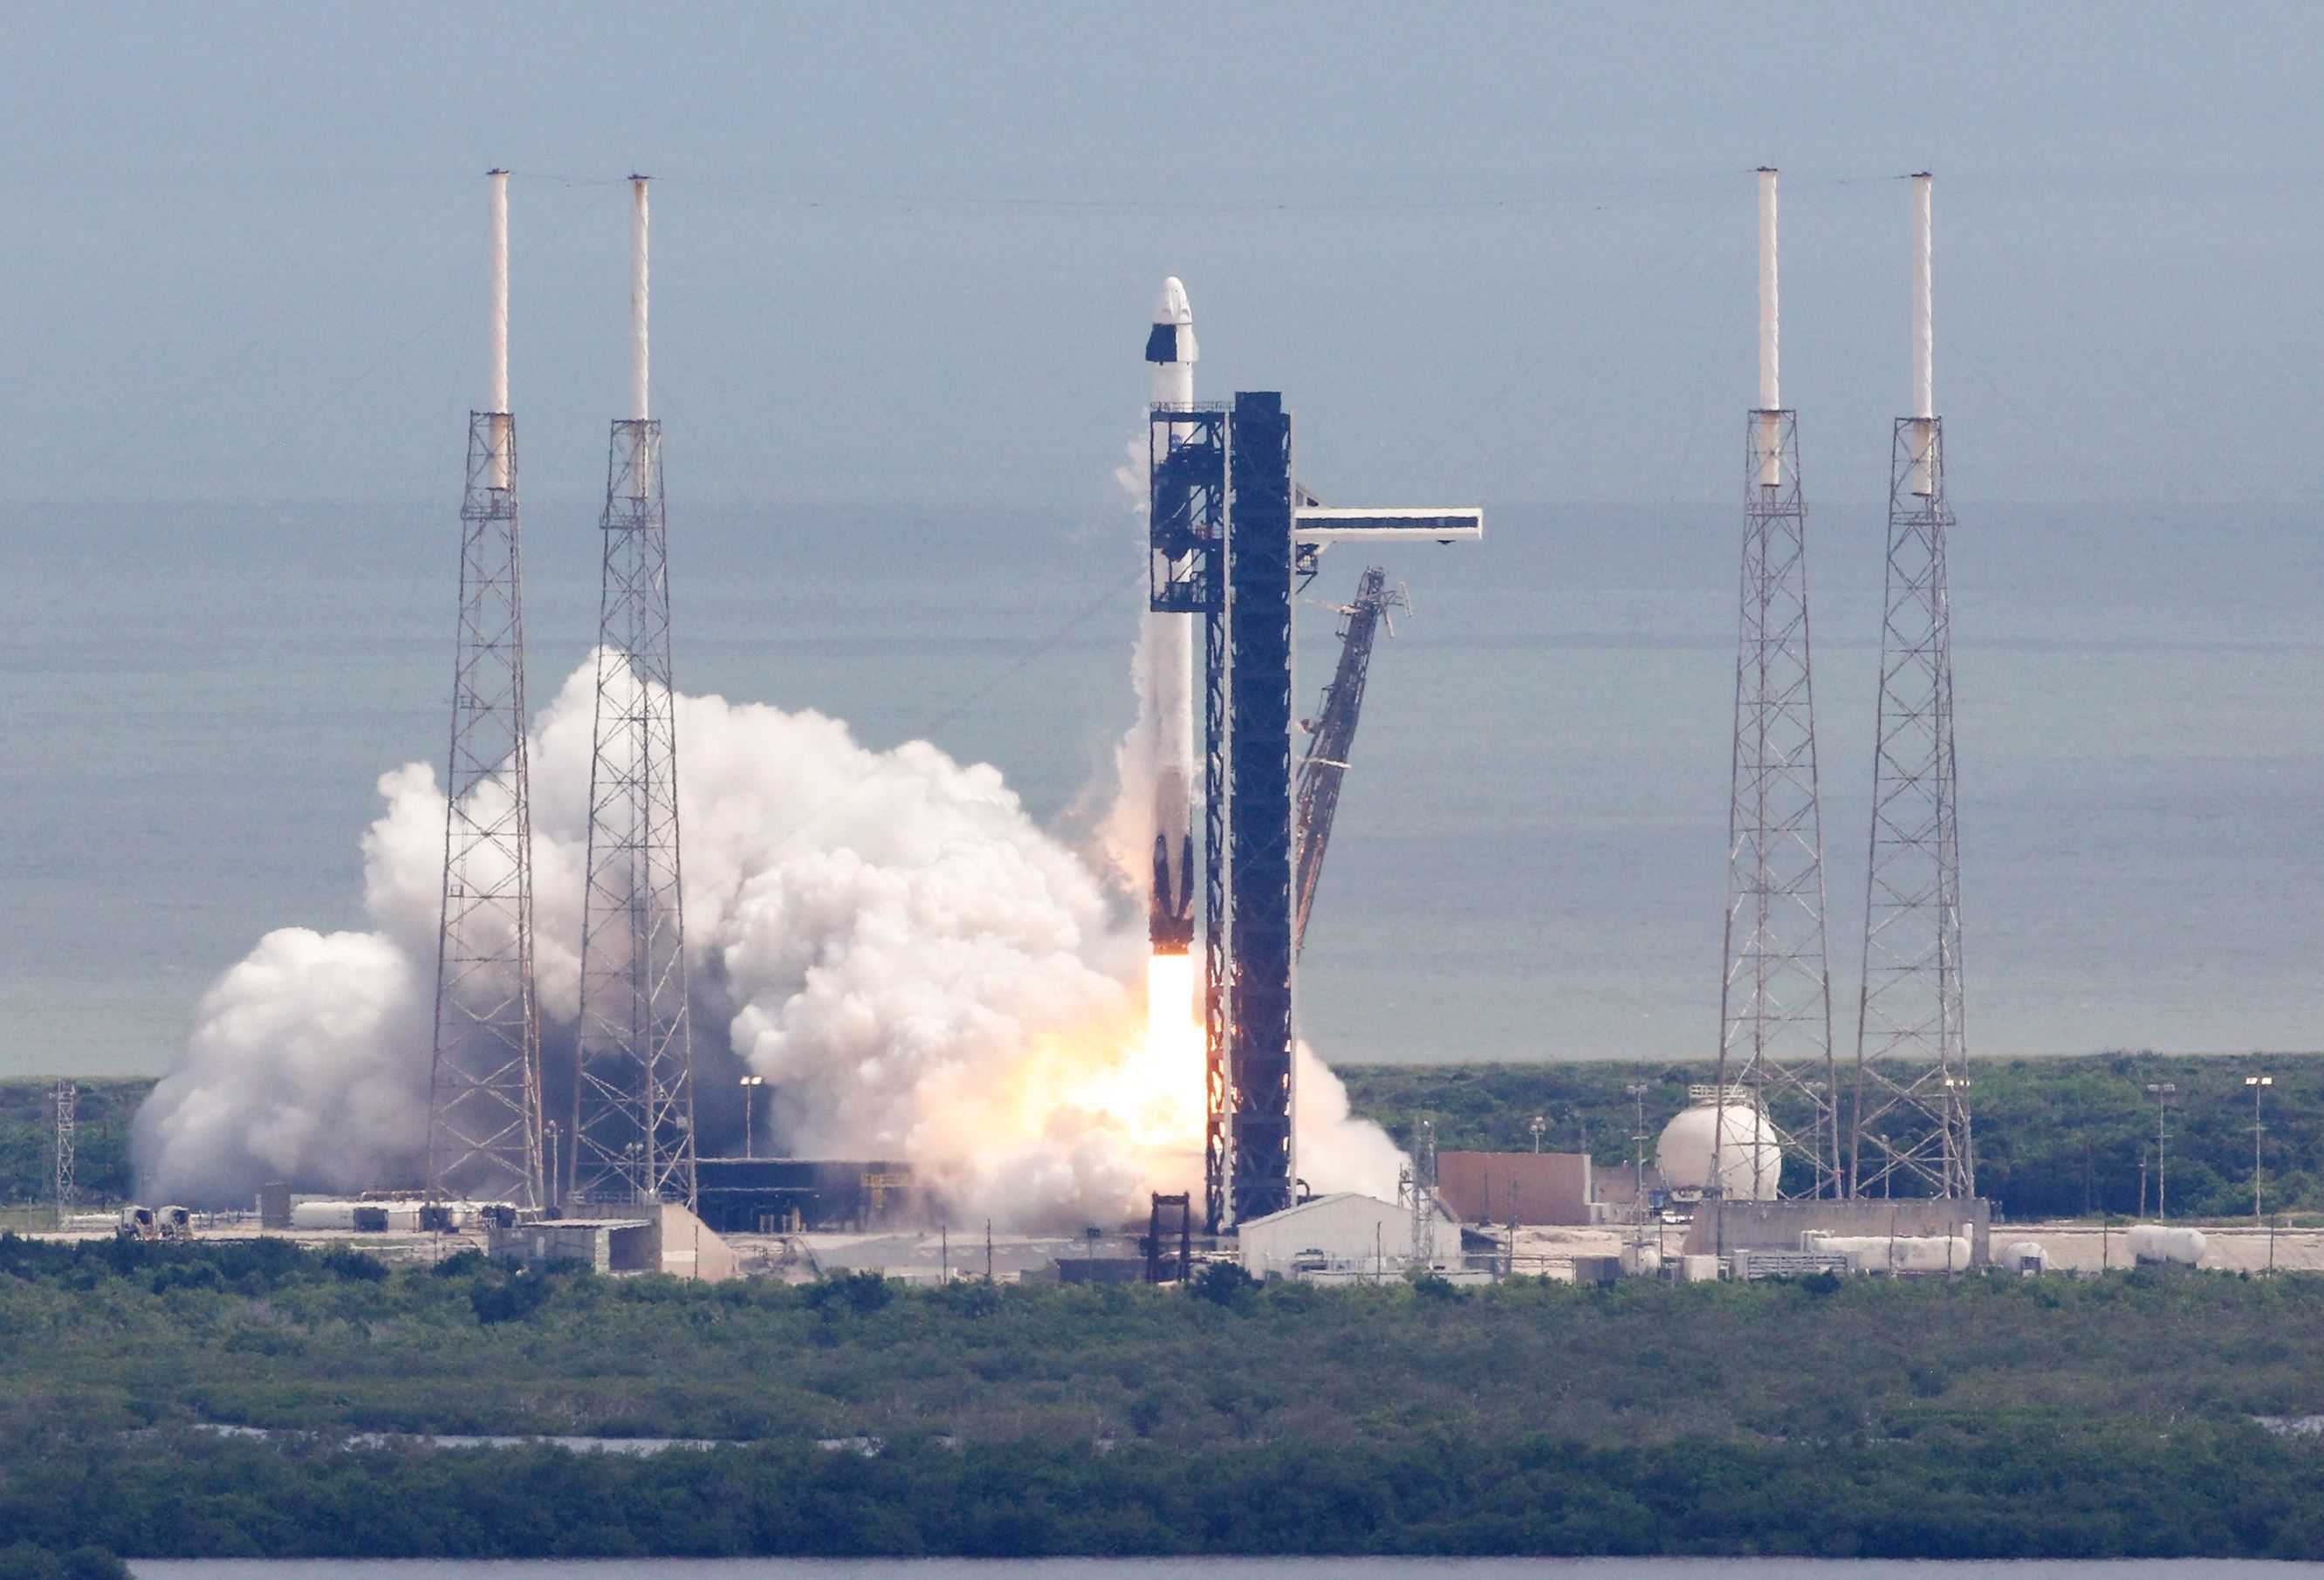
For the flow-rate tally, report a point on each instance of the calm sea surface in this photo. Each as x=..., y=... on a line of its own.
x=1529, y=857
x=1222, y=1568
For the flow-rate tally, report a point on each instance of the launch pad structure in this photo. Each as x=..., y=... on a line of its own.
x=1232, y=536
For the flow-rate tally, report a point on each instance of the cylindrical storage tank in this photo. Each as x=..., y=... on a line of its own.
x=1750, y=1161
x=1896, y=1252
x=2161, y=1243
x=323, y=1215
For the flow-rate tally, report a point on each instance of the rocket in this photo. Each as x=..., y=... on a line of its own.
x=1167, y=655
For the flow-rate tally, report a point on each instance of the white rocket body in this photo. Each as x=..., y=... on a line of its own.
x=1167, y=652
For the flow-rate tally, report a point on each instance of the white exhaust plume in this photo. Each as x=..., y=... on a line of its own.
x=917, y=969
x=1925, y=378
x=1771, y=378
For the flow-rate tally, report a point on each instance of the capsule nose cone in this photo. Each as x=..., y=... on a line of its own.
x=1171, y=306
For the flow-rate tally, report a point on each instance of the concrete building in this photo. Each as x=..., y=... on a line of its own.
x=1523, y=1188
x=669, y=1240
x=1341, y=1232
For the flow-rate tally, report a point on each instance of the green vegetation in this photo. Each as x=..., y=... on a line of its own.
x=28, y=1138
x=1977, y=1417
x=2055, y=1137
x=23, y=1561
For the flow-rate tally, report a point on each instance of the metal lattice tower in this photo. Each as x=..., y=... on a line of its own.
x=1416, y=1188
x=1912, y=1083
x=1261, y=995
x=68, y=1188
x=1774, y=999
x=633, y=1102
x=633, y=1123
x=1232, y=534
x=1187, y=517
x=484, y=1134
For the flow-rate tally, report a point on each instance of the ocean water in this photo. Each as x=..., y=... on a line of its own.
x=1529, y=857
x=1228, y=1568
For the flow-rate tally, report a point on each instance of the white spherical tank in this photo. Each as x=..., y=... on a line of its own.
x=1750, y=1161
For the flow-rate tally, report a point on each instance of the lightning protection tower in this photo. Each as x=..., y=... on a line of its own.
x=1912, y=1083
x=67, y=1188
x=1775, y=999
x=633, y=1102
x=484, y=1133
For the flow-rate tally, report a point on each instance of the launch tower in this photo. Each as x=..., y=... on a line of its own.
x=484, y=1134
x=1231, y=535
x=633, y=1102
x=1774, y=999
x=1912, y=1122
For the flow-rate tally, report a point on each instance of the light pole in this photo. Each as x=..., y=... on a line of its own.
x=1537, y=1127
x=1815, y=1088
x=2258, y=1084
x=2162, y=1092
x=1636, y=1091
x=750, y=1085
x=1956, y=1116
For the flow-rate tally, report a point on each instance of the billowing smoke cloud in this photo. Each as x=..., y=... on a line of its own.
x=917, y=968
x=309, y=1061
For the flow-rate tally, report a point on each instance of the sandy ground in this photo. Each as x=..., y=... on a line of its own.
x=2083, y=1248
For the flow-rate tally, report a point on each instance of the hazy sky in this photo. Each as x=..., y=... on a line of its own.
x=906, y=252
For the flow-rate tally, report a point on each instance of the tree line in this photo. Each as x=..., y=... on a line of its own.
x=2055, y=1137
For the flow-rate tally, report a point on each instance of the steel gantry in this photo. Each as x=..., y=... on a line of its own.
x=1231, y=536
